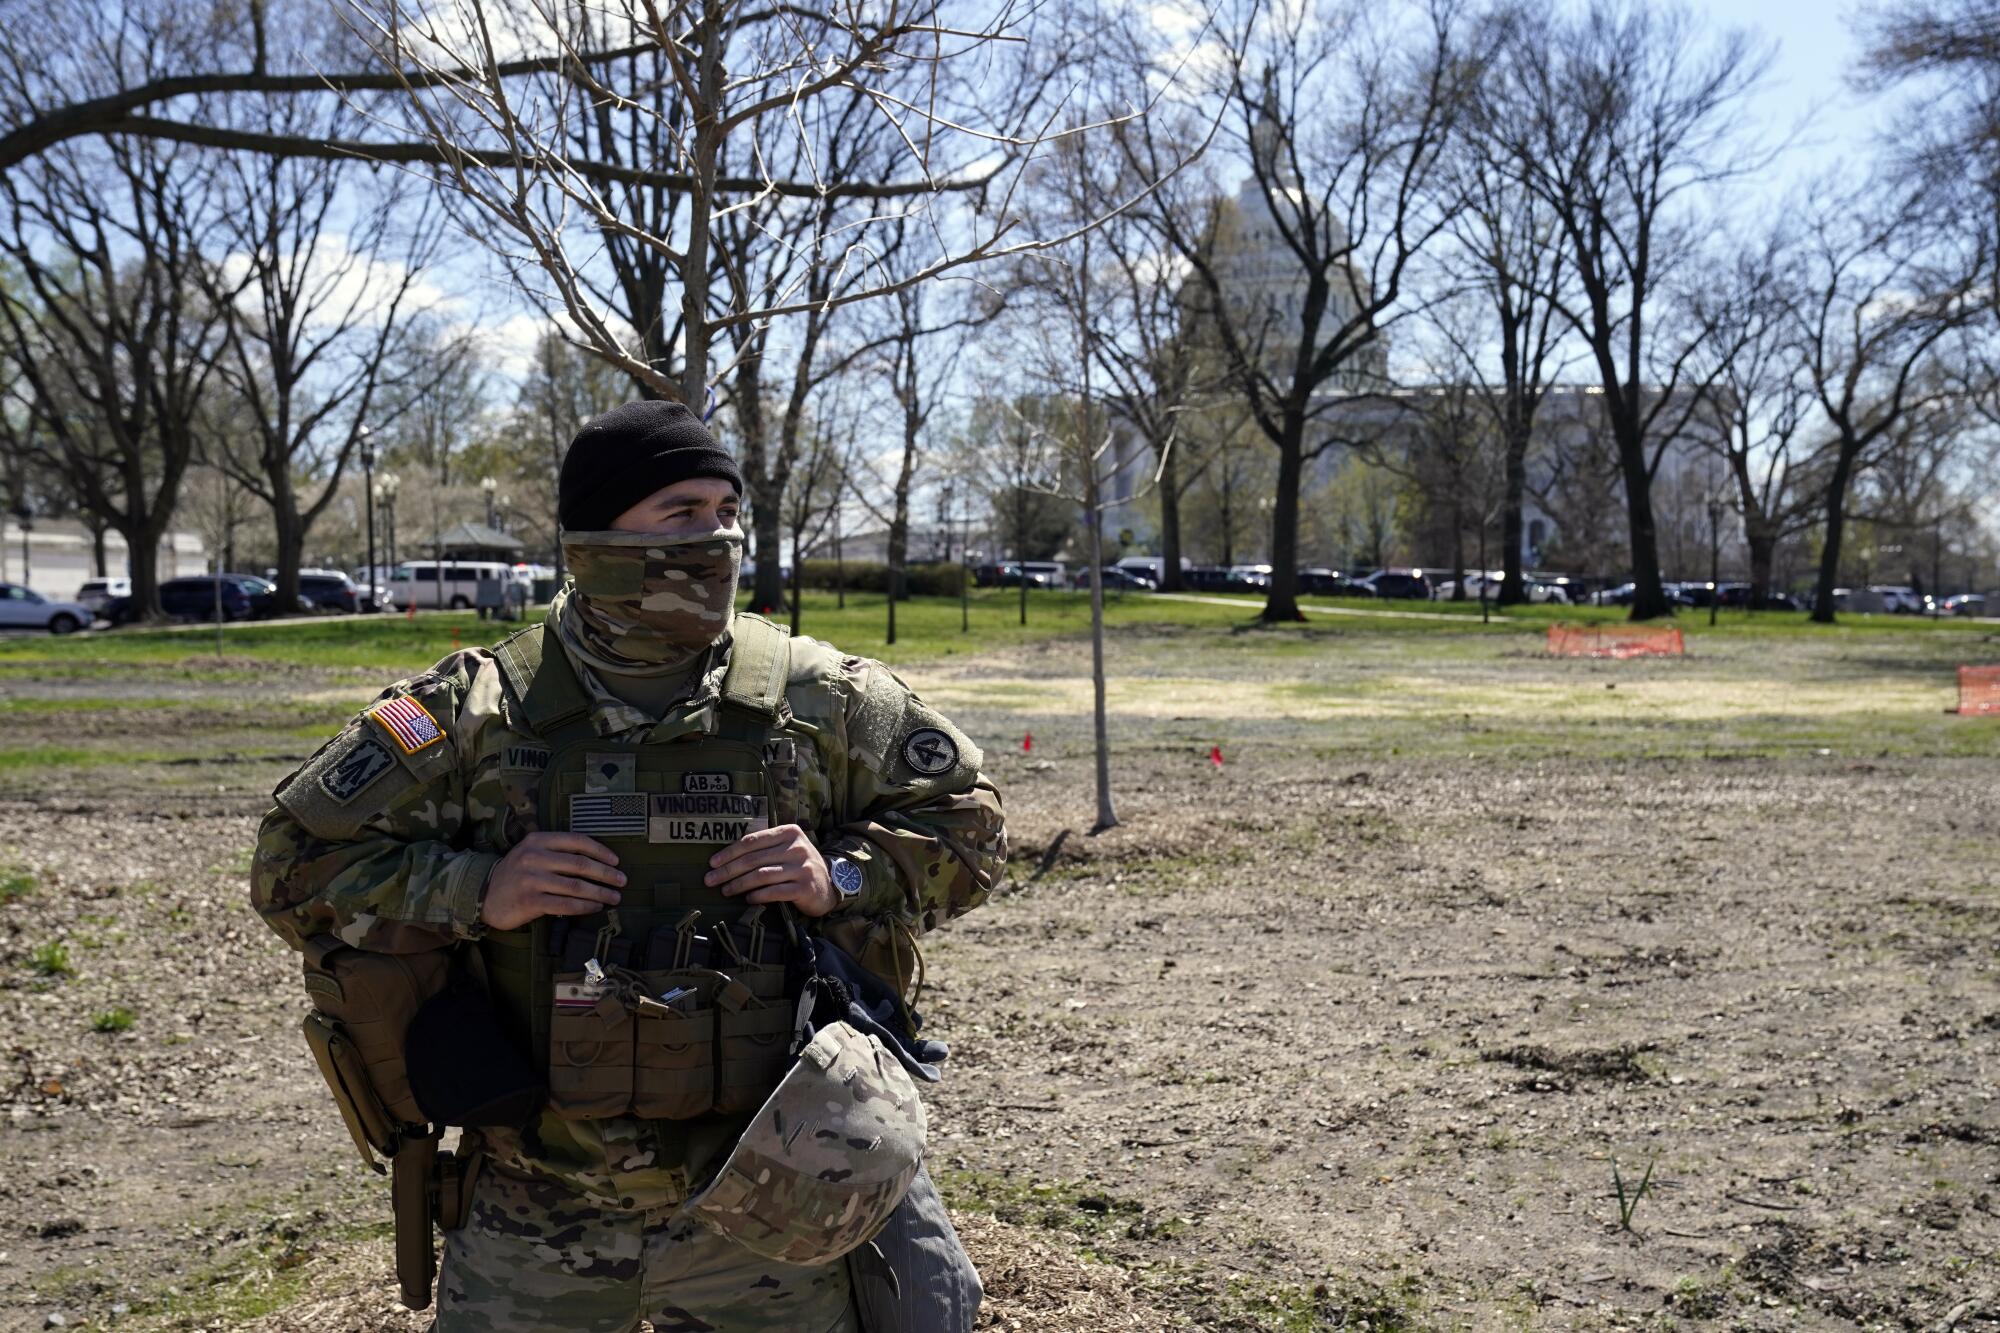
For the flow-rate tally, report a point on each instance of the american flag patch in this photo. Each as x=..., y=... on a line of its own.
x=405, y=719
x=609, y=815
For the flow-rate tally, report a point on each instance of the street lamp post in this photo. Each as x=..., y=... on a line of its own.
x=389, y=483
x=489, y=485
x=1714, y=557
x=368, y=491
x=24, y=514
x=1937, y=565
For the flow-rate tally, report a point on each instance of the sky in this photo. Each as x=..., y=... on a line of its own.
x=1806, y=91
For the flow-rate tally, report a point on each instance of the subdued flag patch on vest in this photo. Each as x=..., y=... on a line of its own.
x=608, y=814
x=406, y=720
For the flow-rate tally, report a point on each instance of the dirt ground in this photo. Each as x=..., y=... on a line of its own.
x=1361, y=1029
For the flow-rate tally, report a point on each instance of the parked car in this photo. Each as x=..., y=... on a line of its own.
x=97, y=594
x=1448, y=589
x=264, y=603
x=1410, y=584
x=1322, y=582
x=1119, y=580
x=1965, y=604
x=454, y=585
x=1150, y=567
x=1038, y=574
x=24, y=608
x=197, y=598
x=1553, y=591
x=1621, y=595
x=1900, y=599
x=1205, y=578
x=1248, y=578
x=330, y=591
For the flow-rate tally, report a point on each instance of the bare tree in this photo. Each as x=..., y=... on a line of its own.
x=921, y=347
x=1760, y=399
x=109, y=329
x=1512, y=252
x=771, y=250
x=1345, y=118
x=730, y=72
x=564, y=387
x=1879, y=297
x=812, y=503
x=1071, y=455
x=1620, y=120
x=322, y=281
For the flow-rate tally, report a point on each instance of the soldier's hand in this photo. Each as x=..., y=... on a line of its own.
x=778, y=865
x=551, y=874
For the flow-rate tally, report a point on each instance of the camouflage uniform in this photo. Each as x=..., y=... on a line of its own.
x=391, y=852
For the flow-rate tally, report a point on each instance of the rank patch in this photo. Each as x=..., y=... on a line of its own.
x=930, y=752
x=607, y=772
x=406, y=720
x=346, y=779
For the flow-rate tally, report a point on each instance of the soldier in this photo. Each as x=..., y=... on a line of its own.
x=614, y=802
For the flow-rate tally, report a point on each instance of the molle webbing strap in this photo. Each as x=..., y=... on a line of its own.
x=545, y=684
x=760, y=657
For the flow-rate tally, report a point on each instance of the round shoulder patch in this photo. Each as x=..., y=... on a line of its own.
x=930, y=752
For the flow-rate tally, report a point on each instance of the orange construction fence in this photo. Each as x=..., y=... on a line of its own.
x=1979, y=690
x=1616, y=641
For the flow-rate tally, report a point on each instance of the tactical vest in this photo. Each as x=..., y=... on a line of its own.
x=673, y=1004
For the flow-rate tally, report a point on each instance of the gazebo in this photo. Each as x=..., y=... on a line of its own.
x=476, y=541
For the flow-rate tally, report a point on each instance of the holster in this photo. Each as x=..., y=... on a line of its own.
x=428, y=1186
x=413, y=1197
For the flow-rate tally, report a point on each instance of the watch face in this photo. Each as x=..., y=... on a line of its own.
x=846, y=876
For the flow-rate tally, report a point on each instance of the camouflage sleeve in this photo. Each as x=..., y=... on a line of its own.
x=367, y=841
x=916, y=814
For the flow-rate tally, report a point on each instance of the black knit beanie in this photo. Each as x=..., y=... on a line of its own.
x=623, y=456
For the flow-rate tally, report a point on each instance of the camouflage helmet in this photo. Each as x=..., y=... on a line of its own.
x=829, y=1156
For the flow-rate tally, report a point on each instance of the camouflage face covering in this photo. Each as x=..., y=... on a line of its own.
x=639, y=602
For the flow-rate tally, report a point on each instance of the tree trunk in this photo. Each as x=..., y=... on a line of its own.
x=97, y=556
x=1763, y=553
x=768, y=592
x=1514, y=586
x=1836, y=522
x=142, y=563
x=798, y=563
x=1458, y=555
x=1021, y=546
x=291, y=539
x=1283, y=603
x=1170, y=522
x=1649, y=598
x=1107, y=814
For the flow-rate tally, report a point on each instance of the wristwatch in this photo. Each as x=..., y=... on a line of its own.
x=847, y=878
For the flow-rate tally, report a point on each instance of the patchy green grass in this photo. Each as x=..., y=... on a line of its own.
x=118, y=1019
x=927, y=628
x=52, y=960
x=15, y=884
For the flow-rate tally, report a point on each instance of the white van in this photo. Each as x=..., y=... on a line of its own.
x=456, y=585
